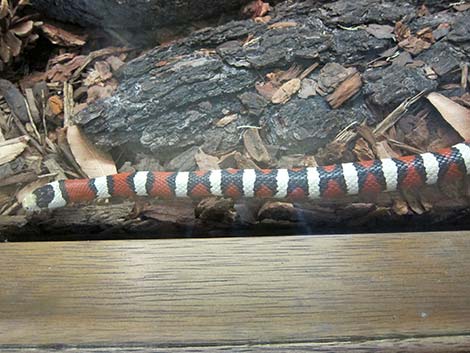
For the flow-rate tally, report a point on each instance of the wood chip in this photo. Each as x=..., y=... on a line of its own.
x=54, y=168
x=285, y=24
x=92, y=161
x=414, y=45
x=4, y=8
x=236, y=160
x=401, y=31
x=228, y=119
x=278, y=210
x=308, y=88
x=363, y=151
x=345, y=90
x=455, y=114
x=267, y=89
x=255, y=147
x=256, y=8
x=380, y=31
x=60, y=36
x=462, y=7
x=205, y=161
x=385, y=151
x=32, y=105
x=286, y=91
x=10, y=149
x=56, y=104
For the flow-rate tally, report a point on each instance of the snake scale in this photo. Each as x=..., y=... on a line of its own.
x=327, y=182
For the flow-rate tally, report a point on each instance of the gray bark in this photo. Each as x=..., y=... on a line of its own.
x=169, y=99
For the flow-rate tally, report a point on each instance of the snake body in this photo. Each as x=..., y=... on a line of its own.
x=327, y=182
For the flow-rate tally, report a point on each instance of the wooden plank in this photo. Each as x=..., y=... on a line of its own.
x=439, y=344
x=235, y=290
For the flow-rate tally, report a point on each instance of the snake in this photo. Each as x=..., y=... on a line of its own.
x=370, y=177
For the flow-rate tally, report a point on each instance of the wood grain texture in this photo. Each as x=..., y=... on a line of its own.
x=439, y=344
x=235, y=290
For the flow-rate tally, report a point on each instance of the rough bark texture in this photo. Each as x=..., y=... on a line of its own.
x=170, y=98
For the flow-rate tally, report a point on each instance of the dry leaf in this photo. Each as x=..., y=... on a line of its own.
x=23, y=28
x=286, y=91
x=14, y=43
x=205, y=161
x=93, y=162
x=10, y=149
x=457, y=116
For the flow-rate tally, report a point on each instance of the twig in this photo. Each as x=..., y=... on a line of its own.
x=10, y=209
x=68, y=104
x=308, y=70
x=24, y=138
x=404, y=146
x=396, y=114
x=31, y=120
x=464, y=76
x=44, y=124
x=23, y=130
x=346, y=135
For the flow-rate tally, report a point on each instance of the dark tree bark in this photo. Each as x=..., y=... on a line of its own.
x=169, y=99
x=133, y=18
